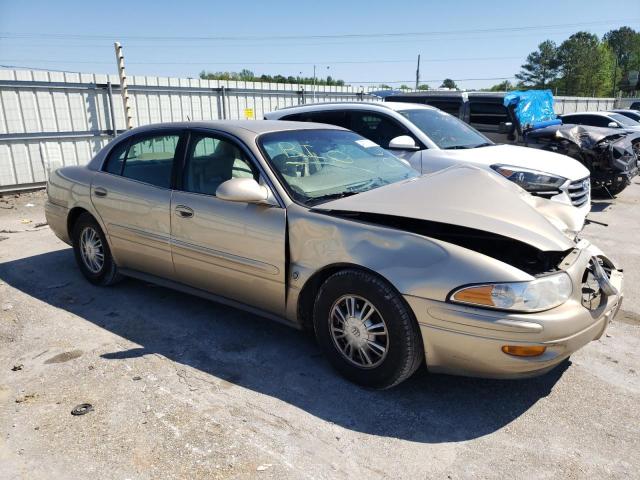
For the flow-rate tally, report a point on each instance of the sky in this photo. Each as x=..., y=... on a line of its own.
x=476, y=43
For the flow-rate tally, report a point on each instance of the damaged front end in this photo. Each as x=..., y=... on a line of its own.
x=611, y=156
x=518, y=254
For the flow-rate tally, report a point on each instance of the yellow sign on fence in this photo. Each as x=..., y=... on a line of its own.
x=248, y=114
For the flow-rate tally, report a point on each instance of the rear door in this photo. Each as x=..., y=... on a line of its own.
x=132, y=195
x=232, y=249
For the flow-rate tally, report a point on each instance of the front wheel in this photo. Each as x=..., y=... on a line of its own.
x=366, y=330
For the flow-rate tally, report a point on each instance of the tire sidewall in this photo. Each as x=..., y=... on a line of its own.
x=102, y=276
x=392, y=309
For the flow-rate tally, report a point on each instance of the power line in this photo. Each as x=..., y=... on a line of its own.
x=317, y=37
x=324, y=62
x=359, y=42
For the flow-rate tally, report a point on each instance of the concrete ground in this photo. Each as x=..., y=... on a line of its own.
x=185, y=388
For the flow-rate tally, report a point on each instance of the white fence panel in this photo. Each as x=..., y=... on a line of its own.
x=50, y=119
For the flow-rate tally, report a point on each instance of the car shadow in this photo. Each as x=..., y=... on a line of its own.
x=273, y=359
x=600, y=205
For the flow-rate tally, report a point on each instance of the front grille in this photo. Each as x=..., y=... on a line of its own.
x=578, y=191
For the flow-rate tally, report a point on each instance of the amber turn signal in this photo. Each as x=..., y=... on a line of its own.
x=477, y=295
x=524, y=350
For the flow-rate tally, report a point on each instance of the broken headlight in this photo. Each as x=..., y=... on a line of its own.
x=533, y=181
x=540, y=294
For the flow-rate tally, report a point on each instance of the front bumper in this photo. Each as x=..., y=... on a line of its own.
x=467, y=340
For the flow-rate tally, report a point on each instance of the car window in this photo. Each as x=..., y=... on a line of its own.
x=623, y=120
x=333, y=117
x=446, y=131
x=116, y=158
x=377, y=127
x=589, y=120
x=487, y=113
x=449, y=106
x=150, y=159
x=211, y=161
x=318, y=165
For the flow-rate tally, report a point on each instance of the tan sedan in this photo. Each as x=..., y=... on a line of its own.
x=320, y=228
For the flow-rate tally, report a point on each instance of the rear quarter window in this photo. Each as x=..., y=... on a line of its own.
x=115, y=160
x=451, y=107
x=487, y=113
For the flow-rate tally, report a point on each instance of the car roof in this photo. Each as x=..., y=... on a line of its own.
x=376, y=106
x=628, y=110
x=243, y=127
x=602, y=114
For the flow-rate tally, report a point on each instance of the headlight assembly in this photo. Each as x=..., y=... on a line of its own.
x=533, y=181
x=540, y=294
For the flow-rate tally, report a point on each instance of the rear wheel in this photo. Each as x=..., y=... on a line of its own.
x=92, y=252
x=366, y=330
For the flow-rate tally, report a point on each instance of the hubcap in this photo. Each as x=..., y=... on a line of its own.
x=359, y=331
x=91, y=250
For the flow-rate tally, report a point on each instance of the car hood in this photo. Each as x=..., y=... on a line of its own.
x=548, y=162
x=464, y=196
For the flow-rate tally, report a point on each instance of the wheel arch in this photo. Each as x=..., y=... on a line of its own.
x=309, y=291
x=72, y=218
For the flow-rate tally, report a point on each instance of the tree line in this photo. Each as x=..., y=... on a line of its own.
x=248, y=76
x=583, y=65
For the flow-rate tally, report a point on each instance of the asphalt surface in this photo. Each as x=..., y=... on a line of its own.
x=184, y=388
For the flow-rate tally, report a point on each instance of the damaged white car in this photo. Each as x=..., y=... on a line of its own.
x=315, y=226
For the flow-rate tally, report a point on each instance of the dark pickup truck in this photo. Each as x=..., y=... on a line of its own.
x=611, y=156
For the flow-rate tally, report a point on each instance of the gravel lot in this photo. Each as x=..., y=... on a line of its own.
x=185, y=388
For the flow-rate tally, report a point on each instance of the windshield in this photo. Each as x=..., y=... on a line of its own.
x=445, y=130
x=623, y=120
x=321, y=165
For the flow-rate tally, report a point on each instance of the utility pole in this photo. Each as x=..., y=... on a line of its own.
x=418, y=73
x=123, y=85
x=314, y=84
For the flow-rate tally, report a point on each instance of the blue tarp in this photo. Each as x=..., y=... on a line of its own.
x=534, y=108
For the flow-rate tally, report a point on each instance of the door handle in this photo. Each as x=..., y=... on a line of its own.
x=100, y=192
x=184, y=211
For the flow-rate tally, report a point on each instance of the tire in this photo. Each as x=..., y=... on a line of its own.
x=402, y=343
x=104, y=271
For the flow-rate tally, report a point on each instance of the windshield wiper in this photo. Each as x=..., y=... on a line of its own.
x=457, y=147
x=485, y=144
x=330, y=196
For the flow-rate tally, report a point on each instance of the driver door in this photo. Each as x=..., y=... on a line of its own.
x=232, y=249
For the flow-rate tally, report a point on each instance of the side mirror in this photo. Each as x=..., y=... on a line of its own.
x=613, y=125
x=505, y=127
x=403, y=142
x=245, y=190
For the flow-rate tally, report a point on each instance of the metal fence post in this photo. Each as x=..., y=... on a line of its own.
x=123, y=85
x=111, y=112
x=224, y=102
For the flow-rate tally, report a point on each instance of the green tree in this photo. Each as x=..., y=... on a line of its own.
x=624, y=43
x=405, y=87
x=423, y=86
x=448, y=83
x=586, y=65
x=248, y=76
x=501, y=87
x=541, y=67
